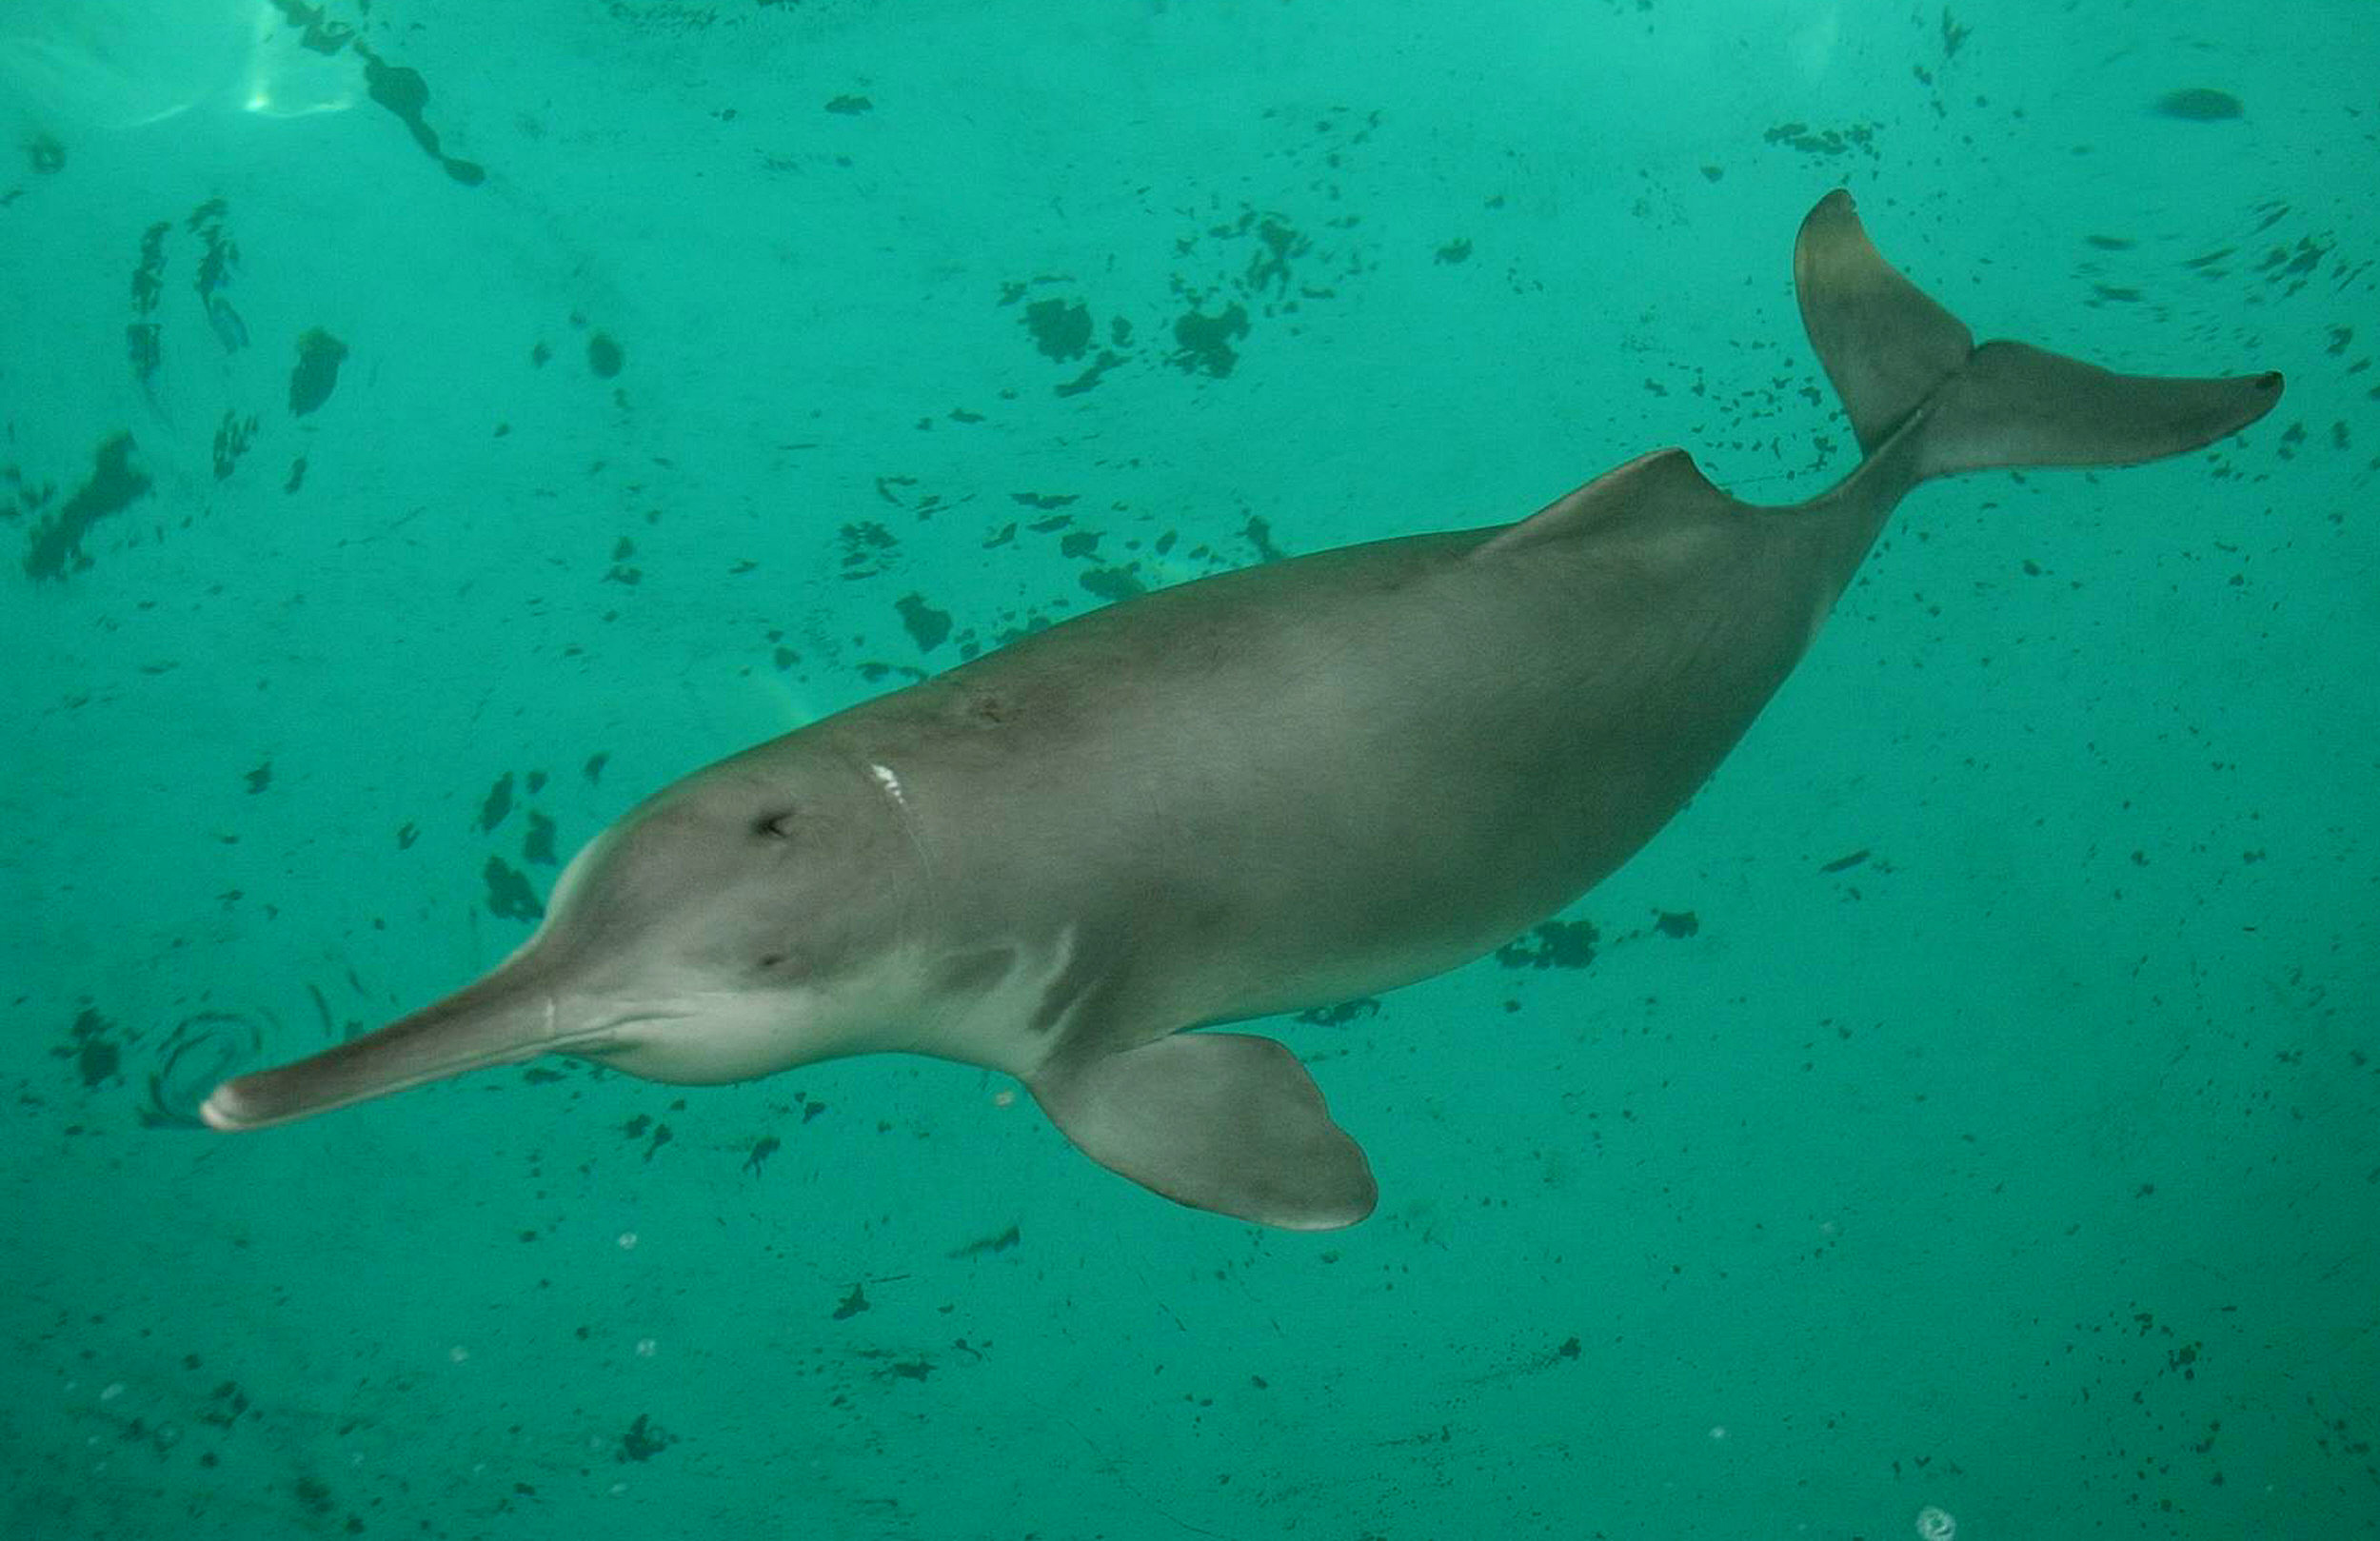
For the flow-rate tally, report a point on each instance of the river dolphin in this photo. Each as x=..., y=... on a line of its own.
x=1260, y=792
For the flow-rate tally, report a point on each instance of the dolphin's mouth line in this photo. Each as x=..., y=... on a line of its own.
x=591, y=1041
x=578, y=1041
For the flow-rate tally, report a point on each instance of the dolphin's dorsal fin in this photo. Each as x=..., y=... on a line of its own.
x=1221, y=1122
x=1664, y=484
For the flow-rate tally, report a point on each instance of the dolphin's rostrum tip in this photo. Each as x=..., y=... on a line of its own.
x=217, y=1113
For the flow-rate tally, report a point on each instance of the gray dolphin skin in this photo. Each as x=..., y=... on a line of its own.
x=1256, y=793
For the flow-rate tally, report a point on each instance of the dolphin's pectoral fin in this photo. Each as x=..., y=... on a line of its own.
x=1220, y=1121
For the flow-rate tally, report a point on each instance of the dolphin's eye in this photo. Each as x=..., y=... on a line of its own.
x=774, y=826
x=789, y=966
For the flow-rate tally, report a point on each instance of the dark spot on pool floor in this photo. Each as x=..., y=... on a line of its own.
x=406, y=93
x=509, y=894
x=497, y=806
x=644, y=1440
x=1554, y=944
x=1060, y=328
x=96, y=1054
x=55, y=546
x=928, y=627
x=1341, y=1014
x=1202, y=343
x=2200, y=103
x=317, y=373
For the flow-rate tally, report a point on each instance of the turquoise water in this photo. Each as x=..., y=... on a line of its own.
x=430, y=427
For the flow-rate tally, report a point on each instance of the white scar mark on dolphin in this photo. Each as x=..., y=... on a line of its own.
x=882, y=774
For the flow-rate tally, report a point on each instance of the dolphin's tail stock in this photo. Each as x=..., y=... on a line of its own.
x=1924, y=400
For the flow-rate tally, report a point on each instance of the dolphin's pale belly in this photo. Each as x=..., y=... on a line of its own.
x=1246, y=805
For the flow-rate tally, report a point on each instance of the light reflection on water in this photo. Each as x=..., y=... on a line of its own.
x=125, y=63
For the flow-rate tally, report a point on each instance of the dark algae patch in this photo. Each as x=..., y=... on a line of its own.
x=1236, y=272
x=537, y=844
x=644, y=1440
x=317, y=373
x=1809, y=140
x=986, y=1246
x=316, y=30
x=404, y=92
x=216, y=266
x=1112, y=583
x=509, y=894
x=219, y=260
x=141, y=348
x=867, y=548
x=1554, y=944
x=1061, y=330
x=1341, y=1015
x=928, y=627
x=232, y=437
x=55, y=546
x=497, y=806
x=2200, y=103
x=1202, y=343
x=92, y=1047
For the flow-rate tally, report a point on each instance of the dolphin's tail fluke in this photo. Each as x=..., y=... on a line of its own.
x=1902, y=363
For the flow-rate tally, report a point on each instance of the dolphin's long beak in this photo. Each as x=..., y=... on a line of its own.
x=505, y=1017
